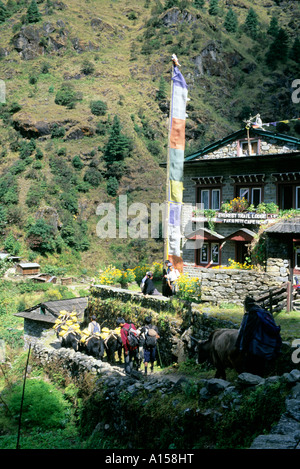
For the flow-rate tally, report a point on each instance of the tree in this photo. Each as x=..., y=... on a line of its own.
x=33, y=14
x=112, y=186
x=273, y=27
x=162, y=91
x=231, y=22
x=295, y=51
x=199, y=3
x=278, y=50
x=251, y=23
x=213, y=7
x=40, y=237
x=3, y=12
x=118, y=145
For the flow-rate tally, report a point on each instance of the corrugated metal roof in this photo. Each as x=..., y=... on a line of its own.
x=49, y=311
x=28, y=264
x=288, y=225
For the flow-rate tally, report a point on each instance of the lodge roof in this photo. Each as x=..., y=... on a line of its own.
x=49, y=310
x=242, y=133
x=289, y=225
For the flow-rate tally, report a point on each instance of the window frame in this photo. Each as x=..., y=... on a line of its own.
x=297, y=197
x=250, y=188
x=297, y=252
x=210, y=190
x=208, y=261
x=244, y=142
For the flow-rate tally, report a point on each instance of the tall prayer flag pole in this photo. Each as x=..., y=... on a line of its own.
x=174, y=186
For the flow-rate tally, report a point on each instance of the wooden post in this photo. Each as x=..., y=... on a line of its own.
x=22, y=399
x=167, y=207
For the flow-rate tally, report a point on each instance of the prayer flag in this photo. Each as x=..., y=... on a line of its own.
x=175, y=163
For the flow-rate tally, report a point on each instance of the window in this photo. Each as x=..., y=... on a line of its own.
x=297, y=257
x=298, y=197
x=252, y=194
x=244, y=147
x=209, y=253
x=204, y=199
x=288, y=196
x=210, y=198
x=215, y=199
x=256, y=196
x=215, y=253
x=204, y=254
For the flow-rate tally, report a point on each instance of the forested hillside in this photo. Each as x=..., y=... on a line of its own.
x=85, y=114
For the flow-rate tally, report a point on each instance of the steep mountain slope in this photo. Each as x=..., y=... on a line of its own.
x=79, y=75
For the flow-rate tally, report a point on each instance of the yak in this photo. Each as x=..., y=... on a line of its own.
x=71, y=340
x=220, y=350
x=113, y=344
x=94, y=346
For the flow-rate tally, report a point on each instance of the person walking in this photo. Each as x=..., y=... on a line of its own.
x=130, y=351
x=150, y=334
x=258, y=339
x=94, y=326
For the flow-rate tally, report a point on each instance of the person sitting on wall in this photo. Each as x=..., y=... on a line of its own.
x=149, y=287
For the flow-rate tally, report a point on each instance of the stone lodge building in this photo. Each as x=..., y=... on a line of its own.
x=259, y=166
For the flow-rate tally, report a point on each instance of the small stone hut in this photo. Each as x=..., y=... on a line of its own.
x=43, y=315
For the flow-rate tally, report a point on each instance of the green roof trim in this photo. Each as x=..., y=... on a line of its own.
x=239, y=134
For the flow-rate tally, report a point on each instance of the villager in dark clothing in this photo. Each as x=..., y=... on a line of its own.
x=252, y=363
x=166, y=290
x=149, y=287
x=149, y=343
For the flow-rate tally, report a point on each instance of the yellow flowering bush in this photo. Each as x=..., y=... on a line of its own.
x=113, y=276
x=110, y=276
x=188, y=287
x=140, y=271
x=235, y=265
x=239, y=204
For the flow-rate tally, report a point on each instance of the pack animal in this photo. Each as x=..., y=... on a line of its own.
x=94, y=346
x=220, y=350
x=112, y=345
x=71, y=340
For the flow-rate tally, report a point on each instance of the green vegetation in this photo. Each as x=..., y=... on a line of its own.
x=84, y=123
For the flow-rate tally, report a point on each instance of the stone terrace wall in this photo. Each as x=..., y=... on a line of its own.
x=232, y=285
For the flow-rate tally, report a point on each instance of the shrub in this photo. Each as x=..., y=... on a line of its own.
x=93, y=177
x=66, y=96
x=188, y=287
x=98, y=108
x=43, y=405
x=77, y=163
x=40, y=237
x=87, y=67
x=57, y=132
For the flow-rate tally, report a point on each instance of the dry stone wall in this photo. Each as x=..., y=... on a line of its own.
x=233, y=285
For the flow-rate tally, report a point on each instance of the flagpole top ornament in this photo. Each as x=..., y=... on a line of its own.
x=175, y=60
